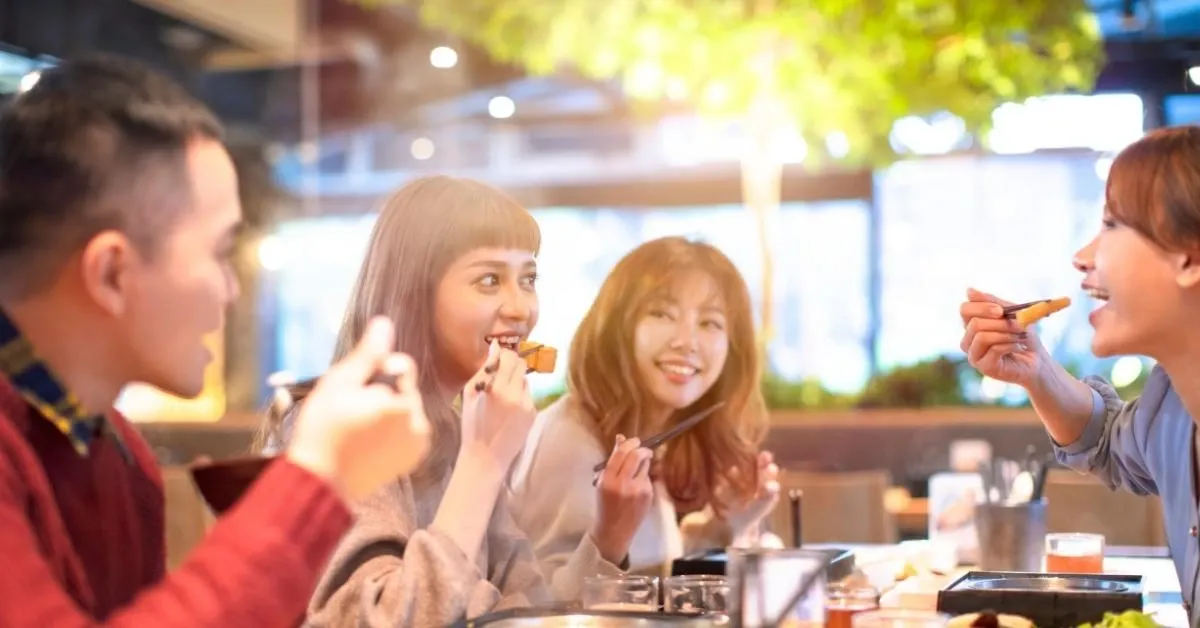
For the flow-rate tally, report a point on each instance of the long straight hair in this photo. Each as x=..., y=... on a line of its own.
x=602, y=376
x=423, y=228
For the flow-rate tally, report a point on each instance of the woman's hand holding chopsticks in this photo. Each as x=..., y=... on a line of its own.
x=996, y=345
x=623, y=499
x=498, y=409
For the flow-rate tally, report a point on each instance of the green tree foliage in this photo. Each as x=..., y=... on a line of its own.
x=839, y=66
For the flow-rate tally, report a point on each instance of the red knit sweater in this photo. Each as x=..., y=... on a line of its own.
x=82, y=541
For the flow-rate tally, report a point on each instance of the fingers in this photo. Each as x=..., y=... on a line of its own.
x=504, y=369
x=977, y=295
x=620, y=458
x=399, y=373
x=996, y=342
x=483, y=379
x=407, y=406
x=971, y=310
x=991, y=330
x=511, y=373
x=376, y=344
x=636, y=463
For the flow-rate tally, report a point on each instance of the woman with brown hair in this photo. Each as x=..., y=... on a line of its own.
x=670, y=334
x=453, y=262
x=1143, y=267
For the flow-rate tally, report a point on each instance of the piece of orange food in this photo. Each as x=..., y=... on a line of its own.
x=1037, y=312
x=542, y=357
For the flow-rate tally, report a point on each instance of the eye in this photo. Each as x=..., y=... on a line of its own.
x=712, y=323
x=658, y=312
x=1108, y=223
x=529, y=280
x=490, y=280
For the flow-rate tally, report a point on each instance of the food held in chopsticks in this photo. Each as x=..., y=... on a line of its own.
x=539, y=358
x=1027, y=314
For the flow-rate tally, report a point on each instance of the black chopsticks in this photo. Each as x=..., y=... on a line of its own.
x=1011, y=310
x=662, y=437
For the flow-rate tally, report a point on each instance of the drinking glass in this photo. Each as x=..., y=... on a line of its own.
x=843, y=602
x=1075, y=552
x=620, y=593
x=696, y=593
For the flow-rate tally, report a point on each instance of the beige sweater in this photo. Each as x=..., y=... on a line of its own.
x=392, y=569
x=554, y=502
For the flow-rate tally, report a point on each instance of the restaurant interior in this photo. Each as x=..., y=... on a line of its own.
x=890, y=444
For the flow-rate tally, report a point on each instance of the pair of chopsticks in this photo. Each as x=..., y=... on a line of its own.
x=490, y=369
x=666, y=435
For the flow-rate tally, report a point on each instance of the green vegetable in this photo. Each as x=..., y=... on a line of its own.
x=1128, y=619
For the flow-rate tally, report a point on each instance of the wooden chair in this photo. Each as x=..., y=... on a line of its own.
x=1080, y=503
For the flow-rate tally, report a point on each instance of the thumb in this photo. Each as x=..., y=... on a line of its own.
x=369, y=354
x=976, y=295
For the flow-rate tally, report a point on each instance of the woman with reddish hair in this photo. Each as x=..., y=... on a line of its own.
x=670, y=334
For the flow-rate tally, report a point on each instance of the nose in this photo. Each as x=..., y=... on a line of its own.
x=1084, y=259
x=686, y=335
x=517, y=305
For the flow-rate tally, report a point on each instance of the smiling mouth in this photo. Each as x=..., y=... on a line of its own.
x=1097, y=294
x=511, y=342
x=679, y=369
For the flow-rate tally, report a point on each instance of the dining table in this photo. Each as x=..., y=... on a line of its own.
x=1160, y=585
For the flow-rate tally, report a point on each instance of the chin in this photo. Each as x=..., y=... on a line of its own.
x=1104, y=347
x=181, y=385
x=676, y=402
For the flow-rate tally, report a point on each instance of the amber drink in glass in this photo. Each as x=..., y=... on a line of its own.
x=1075, y=553
x=844, y=602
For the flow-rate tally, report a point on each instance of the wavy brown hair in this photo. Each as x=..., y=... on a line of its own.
x=1154, y=187
x=422, y=229
x=601, y=375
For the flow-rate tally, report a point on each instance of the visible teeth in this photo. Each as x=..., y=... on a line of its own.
x=1098, y=294
x=505, y=341
x=678, y=369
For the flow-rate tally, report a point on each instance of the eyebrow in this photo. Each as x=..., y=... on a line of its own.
x=707, y=307
x=499, y=265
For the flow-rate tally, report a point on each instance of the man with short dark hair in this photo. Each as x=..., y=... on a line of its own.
x=118, y=207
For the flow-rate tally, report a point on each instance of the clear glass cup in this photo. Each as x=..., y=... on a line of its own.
x=696, y=594
x=620, y=593
x=1075, y=552
x=772, y=579
x=843, y=602
x=899, y=618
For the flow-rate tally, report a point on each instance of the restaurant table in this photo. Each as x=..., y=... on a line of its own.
x=1161, y=588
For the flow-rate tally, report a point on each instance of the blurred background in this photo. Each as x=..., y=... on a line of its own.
x=861, y=169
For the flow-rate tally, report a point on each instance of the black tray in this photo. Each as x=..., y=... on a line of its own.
x=1048, y=600
x=712, y=563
